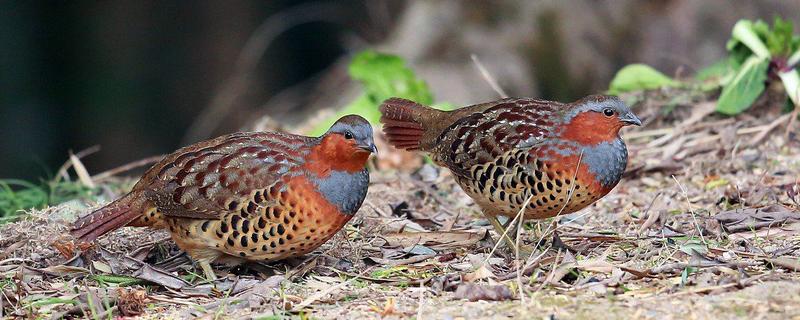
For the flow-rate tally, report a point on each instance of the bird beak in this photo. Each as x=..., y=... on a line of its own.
x=370, y=148
x=631, y=119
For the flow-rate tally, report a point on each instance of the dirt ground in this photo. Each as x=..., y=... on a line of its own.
x=705, y=224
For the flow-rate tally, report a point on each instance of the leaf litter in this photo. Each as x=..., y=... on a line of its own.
x=705, y=223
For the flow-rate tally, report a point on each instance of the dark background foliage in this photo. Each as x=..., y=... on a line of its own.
x=134, y=76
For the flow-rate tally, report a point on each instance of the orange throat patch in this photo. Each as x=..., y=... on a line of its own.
x=335, y=152
x=591, y=128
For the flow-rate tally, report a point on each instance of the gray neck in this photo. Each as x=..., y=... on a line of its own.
x=607, y=161
x=345, y=190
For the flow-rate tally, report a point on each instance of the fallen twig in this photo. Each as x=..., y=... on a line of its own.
x=126, y=167
x=488, y=77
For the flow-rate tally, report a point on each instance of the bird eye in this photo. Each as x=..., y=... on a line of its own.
x=608, y=112
x=348, y=135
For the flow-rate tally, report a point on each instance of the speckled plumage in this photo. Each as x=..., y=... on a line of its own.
x=507, y=151
x=248, y=196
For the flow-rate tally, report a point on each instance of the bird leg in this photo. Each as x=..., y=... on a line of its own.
x=501, y=231
x=510, y=236
x=208, y=271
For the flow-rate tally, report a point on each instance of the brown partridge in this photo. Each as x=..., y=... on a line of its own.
x=550, y=158
x=248, y=196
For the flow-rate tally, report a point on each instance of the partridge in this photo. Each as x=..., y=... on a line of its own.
x=550, y=158
x=248, y=196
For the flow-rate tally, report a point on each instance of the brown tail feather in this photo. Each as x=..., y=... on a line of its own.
x=405, y=123
x=108, y=218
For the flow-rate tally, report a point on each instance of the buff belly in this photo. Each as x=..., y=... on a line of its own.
x=502, y=188
x=274, y=225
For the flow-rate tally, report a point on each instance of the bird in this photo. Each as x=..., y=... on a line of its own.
x=541, y=158
x=248, y=196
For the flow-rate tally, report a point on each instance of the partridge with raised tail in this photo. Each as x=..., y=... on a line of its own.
x=550, y=157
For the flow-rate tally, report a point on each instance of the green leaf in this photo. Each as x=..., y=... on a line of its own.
x=794, y=58
x=635, y=77
x=745, y=87
x=716, y=183
x=748, y=33
x=685, y=275
x=791, y=83
x=383, y=76
x=718, y=74
x=715, y=72
x=779, y=40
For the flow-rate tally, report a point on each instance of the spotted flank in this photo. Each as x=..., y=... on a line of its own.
x=293, y=219
x=503, y=186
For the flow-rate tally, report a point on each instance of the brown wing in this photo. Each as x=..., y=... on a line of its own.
x=205, y=180
x=503, y=125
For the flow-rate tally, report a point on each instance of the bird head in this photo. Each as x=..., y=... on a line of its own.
x=596, y=119
x=347, y=144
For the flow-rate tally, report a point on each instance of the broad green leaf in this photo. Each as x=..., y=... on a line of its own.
x=761, y=29
x=714, y=72
x=717, y=75
x=383, y=76
x=794, y=59
x=745, y=87
x=791, y=82
x=639, y=77
x=737, y=54
x=745, y=32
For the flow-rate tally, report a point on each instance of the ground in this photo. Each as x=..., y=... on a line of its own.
x=705, y=224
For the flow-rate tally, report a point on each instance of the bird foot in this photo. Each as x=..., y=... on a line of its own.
x=208, y=272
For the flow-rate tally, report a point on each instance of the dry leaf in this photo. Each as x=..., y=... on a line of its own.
x=596, y=265
x=62, y=270
x=475, y=292
x=434, y=239
x=567, y=264
x=747, y=220
x=258, y=295
x=67, y=248
x=791, y=263
x=222, y=286
x=102, y=267
x=16, y=245
x=131, y=303
x=158, y=276
x=401, y=262
x=394, y=224
x=785, y=231
x=483, y=272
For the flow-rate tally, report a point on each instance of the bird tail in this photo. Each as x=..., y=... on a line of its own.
x=410, y=125
x=108, y=218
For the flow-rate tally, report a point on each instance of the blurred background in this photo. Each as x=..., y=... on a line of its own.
x=141, y=78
